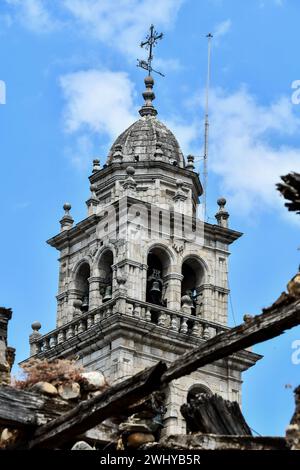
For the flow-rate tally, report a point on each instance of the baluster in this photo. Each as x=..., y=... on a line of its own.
x=184, y=326
x=196, y=329
x=81, y=326
x=70, y=332
x=60, y=337
x=206, y=334
x=53, y=341
x=162, y=319
x=148, y=315
x=107, y=312
x=174, y=323
x=137, y=311
x=97, y=317
x=46, y=343
x=90, y=321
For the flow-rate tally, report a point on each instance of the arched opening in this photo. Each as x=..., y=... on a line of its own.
x=106, y=275
x=158, y=262
x=193, y=275
x=195, y=392
x=82, y=284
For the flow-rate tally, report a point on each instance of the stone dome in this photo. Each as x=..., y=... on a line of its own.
x=147, y=139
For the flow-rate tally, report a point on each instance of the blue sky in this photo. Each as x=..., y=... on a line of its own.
x=72, y=86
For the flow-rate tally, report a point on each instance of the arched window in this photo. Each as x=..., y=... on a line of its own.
x=158, y=262
x=106, y=275
x=193, y=275
x=82, y=284
x=196, y=390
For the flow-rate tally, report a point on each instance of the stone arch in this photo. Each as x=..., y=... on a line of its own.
x=105, y=261
x=197, y=389
x=193, y=270
x=159, y=261
x=193, y=392
x=82, y=273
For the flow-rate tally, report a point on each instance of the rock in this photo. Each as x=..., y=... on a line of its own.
x=94, y=394
x=293, y=286
x=93, y=381
x=8, y=436
x=139, y=438
x=45, y=388
x=81, y=445
x=69, y=391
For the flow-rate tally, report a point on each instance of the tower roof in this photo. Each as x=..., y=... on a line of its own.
x=147, y=138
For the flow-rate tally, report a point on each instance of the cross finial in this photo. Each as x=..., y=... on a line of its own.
x=149, y=44
x=148, y=109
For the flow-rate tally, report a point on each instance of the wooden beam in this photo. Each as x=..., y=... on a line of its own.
x=262, y=327
x=210, y=442
x=211, y=414
x=21, y=409
x=91, y=412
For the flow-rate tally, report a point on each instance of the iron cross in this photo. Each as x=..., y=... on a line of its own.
x=150, y=42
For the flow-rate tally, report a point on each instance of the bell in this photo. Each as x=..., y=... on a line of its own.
x=155, y=287
x=85, y=303
x=155, y=292
x=107, y=294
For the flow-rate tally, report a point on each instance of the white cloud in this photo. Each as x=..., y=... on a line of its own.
x=34, y=14
x=246, y=148
x=221, y=29
x=121, y=23
x=99, y=105
x=98, y=101
x=186, y=133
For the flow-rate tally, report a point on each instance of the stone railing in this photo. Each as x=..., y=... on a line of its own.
x=161, y=316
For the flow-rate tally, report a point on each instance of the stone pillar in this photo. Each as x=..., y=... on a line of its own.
x=92, y=202
x=6, y=354
x=95, y=298
x=73, y=294
x=34, y=337
x=173, y=293
x=207, y=300
x=222, y=215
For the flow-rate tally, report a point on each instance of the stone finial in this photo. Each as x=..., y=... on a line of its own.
x=158, y=154
x=96, y=165
x=36, y=326
x=118, y=154
x=148, y=109
x=222, y=215
x=130, y=182
x=67, y=220
x=34, y=337
x=190, y=163
x=93, y=201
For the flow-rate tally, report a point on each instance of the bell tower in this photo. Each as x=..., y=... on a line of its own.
x=142, y=278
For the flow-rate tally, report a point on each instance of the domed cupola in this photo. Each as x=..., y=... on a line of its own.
x=147, y=139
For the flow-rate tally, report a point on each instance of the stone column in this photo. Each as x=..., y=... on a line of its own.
x=95, y=298
x=207, y=300
x=73, y=294
x=173, y=293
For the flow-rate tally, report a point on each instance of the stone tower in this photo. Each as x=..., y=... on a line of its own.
x=141, y=278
